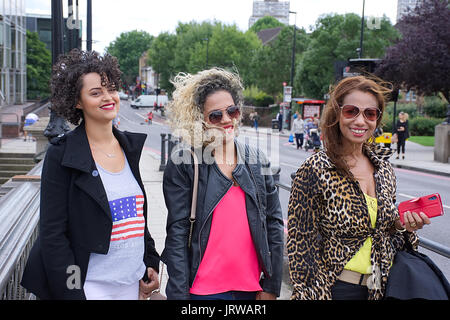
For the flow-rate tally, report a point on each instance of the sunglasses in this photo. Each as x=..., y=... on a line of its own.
x=216, y=116
x=350, y=112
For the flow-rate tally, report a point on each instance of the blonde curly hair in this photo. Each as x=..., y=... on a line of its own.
x=185, y=111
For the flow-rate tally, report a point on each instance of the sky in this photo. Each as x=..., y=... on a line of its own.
x=112, y=17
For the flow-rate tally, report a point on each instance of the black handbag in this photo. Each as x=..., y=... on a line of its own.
x=414, y=275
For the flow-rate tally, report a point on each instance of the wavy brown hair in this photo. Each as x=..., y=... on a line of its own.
x=329, y=124
x=67, y=80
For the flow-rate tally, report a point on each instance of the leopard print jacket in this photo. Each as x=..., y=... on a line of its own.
x=328, y=222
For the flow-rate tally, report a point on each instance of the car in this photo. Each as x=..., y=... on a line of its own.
x=123, y=95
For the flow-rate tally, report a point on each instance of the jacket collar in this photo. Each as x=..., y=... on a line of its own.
x=376, y=154
x=78, y=155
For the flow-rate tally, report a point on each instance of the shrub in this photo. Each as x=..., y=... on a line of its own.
x=435, y=107
x=421, y=126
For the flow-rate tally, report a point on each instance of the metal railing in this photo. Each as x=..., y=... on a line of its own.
x=19, y=213
x=423, y=242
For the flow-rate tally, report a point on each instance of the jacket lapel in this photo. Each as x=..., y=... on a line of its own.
x=78, y=156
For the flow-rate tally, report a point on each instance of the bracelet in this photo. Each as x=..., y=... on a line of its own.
x=400, y=230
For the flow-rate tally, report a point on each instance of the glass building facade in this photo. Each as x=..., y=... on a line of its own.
x=13, y=58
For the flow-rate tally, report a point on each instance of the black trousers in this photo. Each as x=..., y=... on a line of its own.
x=401, y=144
x=299, y=139
x=348, y=291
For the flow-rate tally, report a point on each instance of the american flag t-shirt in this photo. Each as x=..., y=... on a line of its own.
x=128, y=217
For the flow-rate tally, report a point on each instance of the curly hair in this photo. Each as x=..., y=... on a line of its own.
x=185, y=111
x=329, y=123
x=67, y=80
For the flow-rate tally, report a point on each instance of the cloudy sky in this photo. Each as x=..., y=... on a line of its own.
x=112, y=17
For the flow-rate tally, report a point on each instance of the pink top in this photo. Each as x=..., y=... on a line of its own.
x=230, y=262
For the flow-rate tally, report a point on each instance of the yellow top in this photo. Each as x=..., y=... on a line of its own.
x=361, y=260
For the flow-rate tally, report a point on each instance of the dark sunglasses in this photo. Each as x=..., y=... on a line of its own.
x=350, y=112
x=217, y=115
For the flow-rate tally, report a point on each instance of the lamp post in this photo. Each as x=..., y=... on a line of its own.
x=361, y=38
x=56, y=125
x=292, y=69
x=89, y=26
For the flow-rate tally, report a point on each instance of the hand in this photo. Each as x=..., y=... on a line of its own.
x=414, y=221
x=261, y=295
x=146, y=288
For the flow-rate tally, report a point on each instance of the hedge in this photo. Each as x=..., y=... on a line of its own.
x=418, y=126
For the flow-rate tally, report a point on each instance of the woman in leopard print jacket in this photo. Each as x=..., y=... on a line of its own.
x=344, y=227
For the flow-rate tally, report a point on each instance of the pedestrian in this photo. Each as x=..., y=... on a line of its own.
x=255, y=120
x=298, y=129
x=150, y=117
x=116, y=122
x=280, y=120
x=93, y=241
x=343, y=225
x=235, y=250
x=402, y=131
x=30, y=119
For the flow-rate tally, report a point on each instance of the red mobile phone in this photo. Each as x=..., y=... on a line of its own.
x=431, y=205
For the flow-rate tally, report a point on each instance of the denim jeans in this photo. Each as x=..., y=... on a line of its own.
x=230, y=295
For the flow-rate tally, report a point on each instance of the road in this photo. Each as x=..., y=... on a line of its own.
x=410, y=184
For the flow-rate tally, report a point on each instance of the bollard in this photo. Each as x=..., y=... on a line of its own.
x=162, y=166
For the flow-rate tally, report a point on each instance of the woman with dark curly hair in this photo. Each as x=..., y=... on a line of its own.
x=93, y=241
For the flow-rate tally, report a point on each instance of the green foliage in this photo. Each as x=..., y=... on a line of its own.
x=271, y=64
x=409, y=108
x=267, y=22
x=435, y=107
x=39, y=66
x=336, y=37
x=421, y=126
x=128, y=48
x=161, y=57
x=255, y=97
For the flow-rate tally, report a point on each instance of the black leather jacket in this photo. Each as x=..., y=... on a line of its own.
x=263, y=211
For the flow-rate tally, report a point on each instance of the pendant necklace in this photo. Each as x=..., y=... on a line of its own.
x=109, y=155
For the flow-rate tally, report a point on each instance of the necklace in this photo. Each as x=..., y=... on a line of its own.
x=109, y=155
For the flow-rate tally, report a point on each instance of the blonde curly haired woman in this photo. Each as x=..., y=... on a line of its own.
x=236, y=248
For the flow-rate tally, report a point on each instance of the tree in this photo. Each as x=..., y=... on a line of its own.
x=420, y=60
x=128, y=48
x=272, y=63
x=267, y=22
x=39, y=67
x=335, y=38
x=161, y=57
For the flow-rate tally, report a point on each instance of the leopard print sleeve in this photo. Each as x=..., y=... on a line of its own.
x=302, y=243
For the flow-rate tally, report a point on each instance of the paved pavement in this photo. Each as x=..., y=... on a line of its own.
x=418, y=158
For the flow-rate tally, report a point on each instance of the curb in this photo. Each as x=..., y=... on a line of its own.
x=424, y=170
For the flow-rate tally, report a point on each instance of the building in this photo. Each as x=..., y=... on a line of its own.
x=277, y=9
x=147, y=75
x=404, y=5
x=13, y=76
x=42, y=24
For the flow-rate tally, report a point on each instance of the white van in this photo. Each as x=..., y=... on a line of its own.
x=147, y=101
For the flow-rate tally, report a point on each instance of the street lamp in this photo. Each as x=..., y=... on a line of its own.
x=361, y=38
x=89, y=26
x=292, y=69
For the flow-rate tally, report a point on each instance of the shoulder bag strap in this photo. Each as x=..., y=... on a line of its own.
x=194, y=198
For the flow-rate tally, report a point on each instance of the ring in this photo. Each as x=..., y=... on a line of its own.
x=413, y=225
